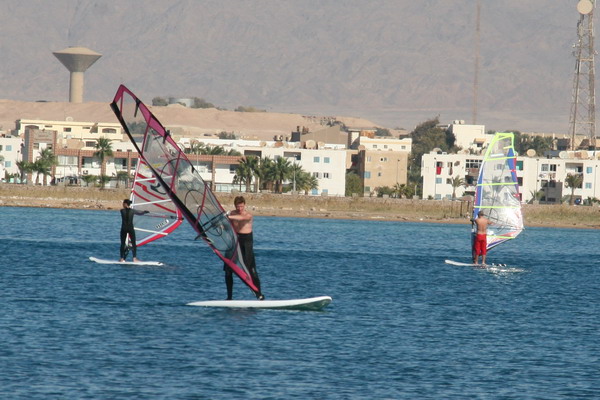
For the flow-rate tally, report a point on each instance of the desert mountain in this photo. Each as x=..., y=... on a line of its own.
x=395, y=62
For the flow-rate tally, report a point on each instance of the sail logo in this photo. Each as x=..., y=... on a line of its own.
x=162, y=224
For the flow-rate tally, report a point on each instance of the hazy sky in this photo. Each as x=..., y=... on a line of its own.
x=396, y=62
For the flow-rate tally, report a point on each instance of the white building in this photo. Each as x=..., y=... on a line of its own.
x=382, y=143
x=69, y=132
x=327, y=164
x=533, y=174
x=469, y=137
x=10, y=153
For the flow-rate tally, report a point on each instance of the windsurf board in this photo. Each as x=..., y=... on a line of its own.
x=101, y=261
x=308, y=304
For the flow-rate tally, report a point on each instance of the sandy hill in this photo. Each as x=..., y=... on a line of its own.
x=195, y=121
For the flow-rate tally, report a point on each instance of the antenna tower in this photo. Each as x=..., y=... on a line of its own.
x=476, y=72
x=583, y=104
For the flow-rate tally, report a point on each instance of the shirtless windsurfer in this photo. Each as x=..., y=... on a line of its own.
x=480, y=240
x=242, y=224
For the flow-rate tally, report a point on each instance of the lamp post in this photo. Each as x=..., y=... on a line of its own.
x=435, y=178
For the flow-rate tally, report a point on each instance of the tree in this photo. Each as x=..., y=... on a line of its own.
x=25, y=167
x=524, y=142
x=382, y=132
x=574, y=181
x=89, y=179
x=47, y=160
x=456, y=182
x=160, y=101
x=266, y=173
x=201, y=103
x=103, y=151
x=282, y=172
x=306, y=182
x=40, y=168
x=353, y=184
x=104, y=179
x=244, y=173
x=122, y=176
x=227, y=135
x=426, y=137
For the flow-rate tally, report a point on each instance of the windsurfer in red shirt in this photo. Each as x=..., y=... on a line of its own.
x=480, y=240
x=242, y=220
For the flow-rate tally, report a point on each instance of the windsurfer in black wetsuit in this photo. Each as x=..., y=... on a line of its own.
x=242, y=224
x=127, y=228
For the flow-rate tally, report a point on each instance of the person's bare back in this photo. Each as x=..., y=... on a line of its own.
x=482, y=224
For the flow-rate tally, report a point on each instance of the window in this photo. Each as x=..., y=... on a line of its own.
x=589, y=170
x=316, y=175
x=367, y=175
x=438, y=180
x=326, y=175
x=316, y=159
x=374, y=146
x=379, y=174
x=385, y=146
x=588, y=185
x=325, y=191
x=383, y=159
x=544, y=167
x=553, y=167
x=368, y=158
x=66, y=129
x=232, y=168
x=519, y=165
x=472, y=164
x=326, y=160
x=520, y=181
x=403, y=147
x=8, y=164
x=8, y=147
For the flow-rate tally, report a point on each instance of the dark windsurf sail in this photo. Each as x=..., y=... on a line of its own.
x=497, y=193
x=180, y=180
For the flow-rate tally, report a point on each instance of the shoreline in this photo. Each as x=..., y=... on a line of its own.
x=302, y=206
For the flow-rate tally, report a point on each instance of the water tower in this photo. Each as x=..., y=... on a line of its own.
x=77, y=60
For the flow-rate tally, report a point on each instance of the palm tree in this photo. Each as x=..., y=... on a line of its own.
x=295, y=173
x=104, y=179
x=247, y=170
x=306, y=181
x=243, y=175
x=47, y=161
x=573, y=181
x=266, y=173
x=282, y=172
x=103, y=150
x=25, y=167
x=122, y=176
x=89, y=179
x=41, y=169
x=456, y=182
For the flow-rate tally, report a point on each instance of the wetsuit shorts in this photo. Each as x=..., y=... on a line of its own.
x=480, y=244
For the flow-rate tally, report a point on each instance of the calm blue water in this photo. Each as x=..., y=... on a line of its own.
x=402, y=325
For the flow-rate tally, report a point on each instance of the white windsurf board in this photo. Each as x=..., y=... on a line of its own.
x=101, y=261
x=460, y=264
x=309, y=304
x=500, y=268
